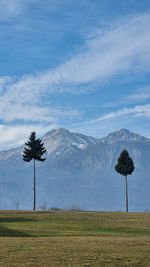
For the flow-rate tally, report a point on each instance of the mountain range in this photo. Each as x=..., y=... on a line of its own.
x=78, y=172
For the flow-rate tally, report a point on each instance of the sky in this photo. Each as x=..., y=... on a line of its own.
x=83, y=65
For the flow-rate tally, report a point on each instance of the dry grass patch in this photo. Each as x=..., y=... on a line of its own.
x=74, y=239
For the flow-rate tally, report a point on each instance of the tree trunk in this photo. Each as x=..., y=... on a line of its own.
x=34, y=188
x=126, y=193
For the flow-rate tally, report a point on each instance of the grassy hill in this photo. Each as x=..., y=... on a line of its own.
x=74, y=239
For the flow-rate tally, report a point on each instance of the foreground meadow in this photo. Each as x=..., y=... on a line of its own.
x=74, y=239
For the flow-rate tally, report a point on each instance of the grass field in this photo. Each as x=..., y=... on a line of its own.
x=74, y=239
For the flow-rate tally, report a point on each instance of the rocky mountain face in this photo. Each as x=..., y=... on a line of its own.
x=79, y=172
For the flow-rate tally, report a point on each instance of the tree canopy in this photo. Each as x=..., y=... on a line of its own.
x=125, y=164
x=34, y=149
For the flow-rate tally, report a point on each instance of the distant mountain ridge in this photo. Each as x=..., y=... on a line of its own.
x=79, y=170
x=124, y=135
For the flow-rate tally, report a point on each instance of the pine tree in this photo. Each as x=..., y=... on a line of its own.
x=125, y=167
x=34, y=150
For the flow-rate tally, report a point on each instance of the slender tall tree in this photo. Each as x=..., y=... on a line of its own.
x=125, y=167
x=34, y=150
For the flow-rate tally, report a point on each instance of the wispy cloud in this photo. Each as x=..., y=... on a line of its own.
x=140, y=95
x=16, y=135
x=4, y=83
x=140, y=110
x=136, y=111
x=122, y=47
x=130, y=118
x=22, y=100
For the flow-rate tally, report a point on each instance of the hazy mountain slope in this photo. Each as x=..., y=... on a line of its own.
x=124, y=135
x=79, y=170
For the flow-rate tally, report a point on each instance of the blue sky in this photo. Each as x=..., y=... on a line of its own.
x=83, y=65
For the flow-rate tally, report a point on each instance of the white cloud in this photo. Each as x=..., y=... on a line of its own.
x=131, y=118
x=4, y=83
x=22, y=100
x=13, y=111
x=12, y=136
x=140, y=95
x=137, y=97
x=122, y=47
x=137, y=111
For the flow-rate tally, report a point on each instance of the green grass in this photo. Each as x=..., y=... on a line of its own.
x=74, y=239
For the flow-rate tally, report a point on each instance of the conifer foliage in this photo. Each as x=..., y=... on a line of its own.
x=34, y=150
x=125, y=167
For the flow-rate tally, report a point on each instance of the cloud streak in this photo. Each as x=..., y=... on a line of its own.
x=140, y=110
x=130, y=118
x=122, y=47
x=140, y=95
x=137, y=111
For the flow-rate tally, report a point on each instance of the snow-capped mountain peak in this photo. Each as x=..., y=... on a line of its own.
x=60, y=140
x=78, y=169
x=124, y=135
x=56, y=132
